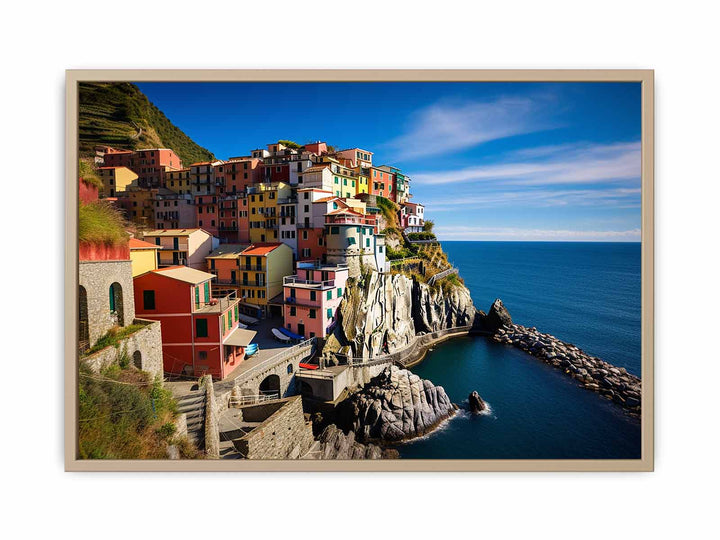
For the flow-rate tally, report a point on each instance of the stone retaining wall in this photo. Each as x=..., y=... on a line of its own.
x=283, y=435
x=143, y=349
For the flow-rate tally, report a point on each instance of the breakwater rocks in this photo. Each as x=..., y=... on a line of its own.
x=594, y=374
x=334, y=444
x=394, y=406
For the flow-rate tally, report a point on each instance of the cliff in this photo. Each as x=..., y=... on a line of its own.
x=382, y=313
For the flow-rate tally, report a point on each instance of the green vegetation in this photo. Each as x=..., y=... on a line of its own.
x=289, y=144
x=120, y=115
x=422, y=236
x=113, y=337
x=87, y=172
x=101, y=223
x=428, y=225
x=123, y=414
x=389, y=211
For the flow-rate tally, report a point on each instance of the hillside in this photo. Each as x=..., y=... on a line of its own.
x=120, y=115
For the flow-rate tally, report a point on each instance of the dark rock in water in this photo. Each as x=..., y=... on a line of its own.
x=476, y=402
x=497, y=318
x=498, y=315
x=395, y=405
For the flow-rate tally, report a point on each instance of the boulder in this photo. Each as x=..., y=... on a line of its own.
x=498, y=317
x=476, y=403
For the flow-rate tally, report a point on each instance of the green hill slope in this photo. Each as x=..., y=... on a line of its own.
x=120, y=115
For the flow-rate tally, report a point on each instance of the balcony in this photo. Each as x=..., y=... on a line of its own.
x=287, y=200
x=296, y=281
x=347, y=220
x=253, y=267
x=217, y=305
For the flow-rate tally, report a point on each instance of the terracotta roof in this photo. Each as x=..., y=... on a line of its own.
x=173, y=232
x=183, y=273
x=201, y=163
x=261, y=249
x=327, y=199
x=316, y=168
x=340, y=211
x=140, y=244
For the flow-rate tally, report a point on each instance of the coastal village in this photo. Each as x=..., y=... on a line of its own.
x=267, y=306
x=232, y=273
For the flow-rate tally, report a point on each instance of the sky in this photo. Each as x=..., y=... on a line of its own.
x=490, y=161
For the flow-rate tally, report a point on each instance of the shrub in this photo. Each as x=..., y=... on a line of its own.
x=101, y=223
x=422, y=236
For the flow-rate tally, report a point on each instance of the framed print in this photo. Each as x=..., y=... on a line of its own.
x=365, y=270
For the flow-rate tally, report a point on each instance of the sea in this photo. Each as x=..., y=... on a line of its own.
x=587, y=294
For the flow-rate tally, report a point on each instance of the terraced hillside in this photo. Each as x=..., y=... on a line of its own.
x=120, y=115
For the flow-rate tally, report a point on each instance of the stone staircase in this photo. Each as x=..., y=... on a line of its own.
x=193, y=405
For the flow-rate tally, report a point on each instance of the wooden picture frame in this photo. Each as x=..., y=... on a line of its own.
x=645, y=77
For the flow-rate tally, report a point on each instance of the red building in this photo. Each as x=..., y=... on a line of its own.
x=200, y=334
x=234, y=223
x=381, y=183
x=239, y=172
x=206, y=213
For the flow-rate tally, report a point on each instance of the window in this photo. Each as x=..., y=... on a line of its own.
x=329, y=295
x=148, y=299
x=339, y=292
x=201, y=328
x=351, y=241
x=334, y=230
x=313, y=295
x=207, y=292
x=293, y=311
x=312, y=314
x=329, y=313
x=202, y=355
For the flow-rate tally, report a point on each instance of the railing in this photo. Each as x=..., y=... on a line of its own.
x=287, y=200
x=441, y=275
x=272, y=361
x=252, y=399
x=350, y=220
x=290, y=280
x=218, y=304
x=254, y=267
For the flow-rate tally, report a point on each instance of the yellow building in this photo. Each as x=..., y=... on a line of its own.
x=143, y=256
x=262, y=268
x=363, y=182
x=115, y=179
x=264, y=211
x=178, y=181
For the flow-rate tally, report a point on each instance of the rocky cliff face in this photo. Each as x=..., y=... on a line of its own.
x=334, y=444
x=395, y=405
x=382, y=313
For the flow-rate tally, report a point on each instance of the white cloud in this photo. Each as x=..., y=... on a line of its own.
x=539, y=198
x=565, y=164
x=509, y=233
x=445, y=127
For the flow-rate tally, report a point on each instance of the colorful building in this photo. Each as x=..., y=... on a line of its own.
x=187, y=247
x=178, y=181
x=234, y=224
x=172, y=210
x=138, y=204
x=412, y=217
x=312, y=297
x=382, y=182
x=261, y=269
x=206, y=213
x=357, y=157
x=400, y=189
x=116, y=179
x=149, y=164
x=224, y=263
x=202, y=178
x=350, y=239
x=311, y=223
x=200, y=334
x=264, y=210
x=238, y=173
x=143, y=256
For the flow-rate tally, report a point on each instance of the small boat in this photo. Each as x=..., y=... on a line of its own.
x=308, y=366
x=280, y=336
x=292, y=335
x=251, y=349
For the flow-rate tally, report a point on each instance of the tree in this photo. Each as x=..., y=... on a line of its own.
x=428, y=226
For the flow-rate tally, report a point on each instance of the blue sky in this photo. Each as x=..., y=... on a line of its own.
x=490, y=161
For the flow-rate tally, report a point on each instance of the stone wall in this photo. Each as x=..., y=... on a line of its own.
x=96, y=277
x=283, y=435
x=212, y=426
x=143, y=348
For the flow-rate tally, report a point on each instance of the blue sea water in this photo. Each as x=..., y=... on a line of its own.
x=584, y=293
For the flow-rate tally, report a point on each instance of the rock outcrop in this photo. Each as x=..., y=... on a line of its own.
x=394, y=406
x=498, y=317
x=612, y=382
x=476, y=403
x=382, y=313
x=334, y=444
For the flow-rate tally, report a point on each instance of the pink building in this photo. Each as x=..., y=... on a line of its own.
x=311, y=298
x=412, y=217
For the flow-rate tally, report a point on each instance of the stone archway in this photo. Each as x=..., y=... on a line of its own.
x=117, y=311
x=270, y=385
x=137, y=359
x=83, y=324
